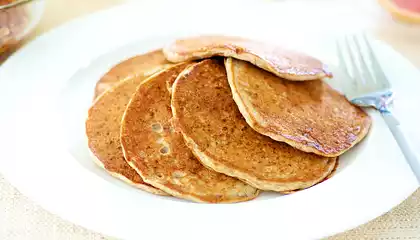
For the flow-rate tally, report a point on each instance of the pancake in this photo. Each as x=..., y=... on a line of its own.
x=284, y=63
x=214, y=129
x=310, y=116
x=141, y=65
x=103, y=133
x=159, y=154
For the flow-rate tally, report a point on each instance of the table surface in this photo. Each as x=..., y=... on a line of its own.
x=23, y=219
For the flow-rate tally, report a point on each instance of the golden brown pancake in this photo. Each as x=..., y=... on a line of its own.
x=141, y=65
x=284, y=63
x=159, y=154
x=310, y=116
x=103, y=132
x=216, y=132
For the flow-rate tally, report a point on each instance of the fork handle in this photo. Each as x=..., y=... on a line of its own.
x=401, y=139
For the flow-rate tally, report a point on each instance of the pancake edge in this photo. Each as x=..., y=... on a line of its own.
x=244, y=56
x=254, y=124
x=126, y=180
x=276, y=186
x=190, y=197
x=330, y=175
x=144, y=74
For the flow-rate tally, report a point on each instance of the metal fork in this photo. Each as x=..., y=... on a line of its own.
x=371, y=88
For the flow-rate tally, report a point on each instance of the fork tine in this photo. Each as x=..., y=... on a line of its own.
x=355, y=70
x=341, y=61
x=364, y=71
x=351, y=85
x=377, y=70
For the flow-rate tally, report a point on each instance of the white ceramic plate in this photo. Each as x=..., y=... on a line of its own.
x=47, y=87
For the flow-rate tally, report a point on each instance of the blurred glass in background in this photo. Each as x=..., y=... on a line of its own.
x=17, y=19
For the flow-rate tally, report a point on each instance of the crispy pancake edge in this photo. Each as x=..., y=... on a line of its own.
x=232, y=50
x=257, y=127
x=330, y=175
x=209, y=161
x=191, y=197
x=112, y=77
x=121, y=177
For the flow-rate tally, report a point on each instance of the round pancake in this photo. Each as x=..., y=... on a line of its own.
x=141, y=65
x=159, y=154
x=216, y=132
x=103, y=132
x=310, y=116
x=284, y=63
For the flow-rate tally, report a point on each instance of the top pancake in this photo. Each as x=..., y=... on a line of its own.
x=159, y=153
x=310, y=116
x=215, y=130
x=284, y=63
x=103, y=132
x=141, y=65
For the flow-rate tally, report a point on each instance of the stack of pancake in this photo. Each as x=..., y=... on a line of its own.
x=217, y=119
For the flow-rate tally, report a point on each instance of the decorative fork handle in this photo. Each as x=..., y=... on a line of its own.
x=399, y=136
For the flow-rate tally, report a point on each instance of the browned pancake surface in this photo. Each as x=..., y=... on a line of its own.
x=159, y=153
x=103, y=132
x=215, y=130
x=282, y=62
x=141, y=65
x=310, y=116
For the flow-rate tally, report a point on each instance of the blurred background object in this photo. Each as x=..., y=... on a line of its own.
x=403, y=10
x=17, y=19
